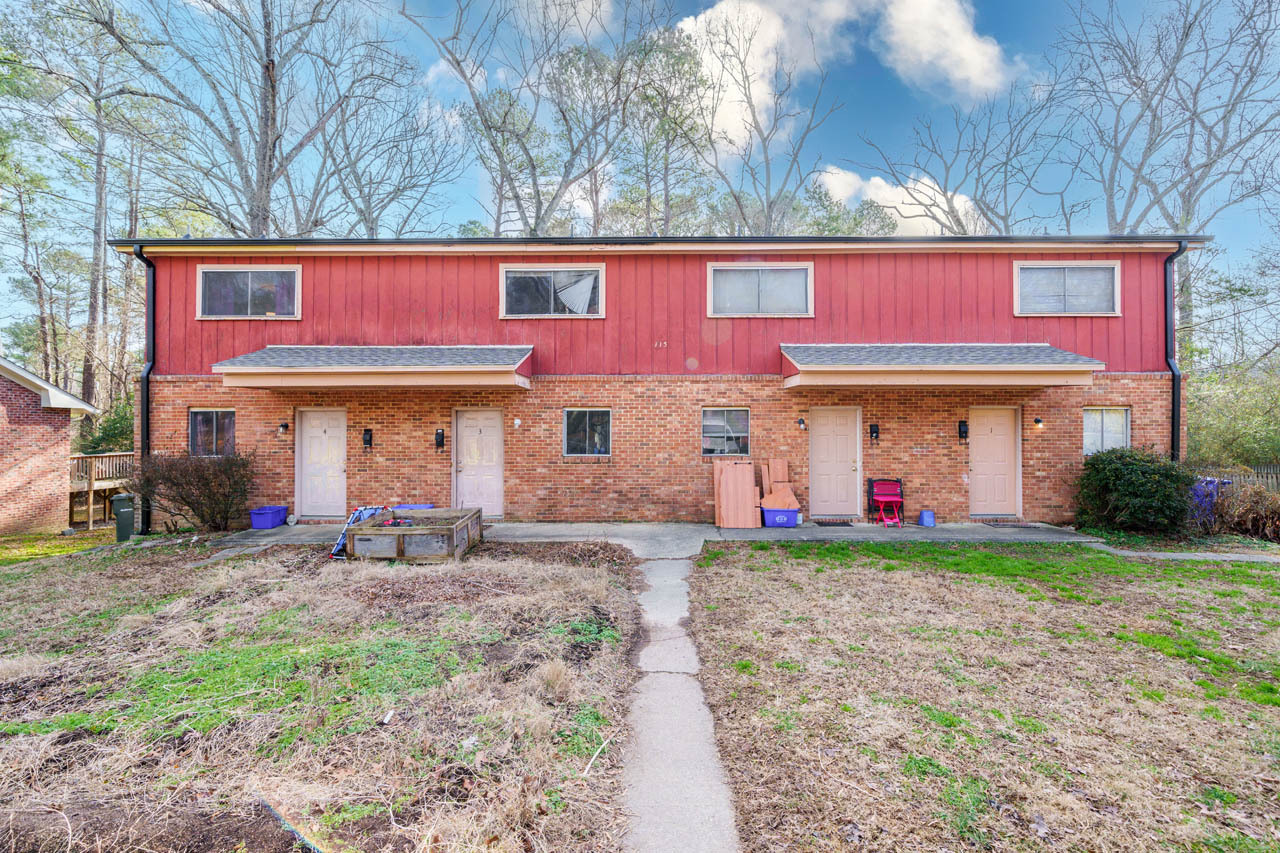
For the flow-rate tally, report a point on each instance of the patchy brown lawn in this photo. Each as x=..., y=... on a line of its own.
x=147, y=705
x=930, y=698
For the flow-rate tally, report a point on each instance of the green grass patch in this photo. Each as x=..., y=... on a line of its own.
x=582, y=737
x=1212, y=795
x=946, y=719
x=709, y=556
x=1233, y=842
x=589, y=632
x=317, y=690
x=923, y=767
x=20, y=547
x=1255, y=680
x=968, y=799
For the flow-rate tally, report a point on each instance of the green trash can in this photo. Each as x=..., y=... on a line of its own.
x=122, y=509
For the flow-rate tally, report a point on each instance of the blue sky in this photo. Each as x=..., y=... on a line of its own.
x=890, y=61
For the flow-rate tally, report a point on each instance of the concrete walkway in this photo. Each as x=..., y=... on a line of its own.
x=649, y=540
x=1206, y=556
x=675, y=787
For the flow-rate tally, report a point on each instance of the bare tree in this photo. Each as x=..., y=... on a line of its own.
x=993, y=168
x=754, y=126
x=82, y=70
x=391, y=159
x=539, y=73
x=252, y=86
x=1176, y=113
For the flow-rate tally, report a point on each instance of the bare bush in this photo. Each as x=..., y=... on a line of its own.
x=211, y=492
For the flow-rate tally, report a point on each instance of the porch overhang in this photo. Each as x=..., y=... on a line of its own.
x=379, y=367
x=808, y=365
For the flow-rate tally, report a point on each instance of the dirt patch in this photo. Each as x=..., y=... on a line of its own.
x=1006, y=700
x=386, y=706
x=602, y=554
x=449, y=588
x=95, y=827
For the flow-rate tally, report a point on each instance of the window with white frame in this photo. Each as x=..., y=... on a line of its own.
x=211, y=432
x=1067, y=288
x=232, y=292
x=587, y=432
x=1105, y=428
x=726, y=432
x=553, y=292
x=767, y=290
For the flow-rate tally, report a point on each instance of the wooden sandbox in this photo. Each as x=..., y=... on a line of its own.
x=418, y=535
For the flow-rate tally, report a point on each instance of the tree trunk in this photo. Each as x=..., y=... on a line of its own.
x=268, y=132
x=97, y=266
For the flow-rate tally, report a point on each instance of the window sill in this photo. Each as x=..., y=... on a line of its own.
x=238, y=317
x=587, y=460
x=1071, y=314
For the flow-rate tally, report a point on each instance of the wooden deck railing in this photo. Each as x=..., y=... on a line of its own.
x=99, y=468
x=96, y=473
x=1267, y=476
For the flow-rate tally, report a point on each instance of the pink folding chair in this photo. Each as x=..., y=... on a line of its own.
x=886, y=495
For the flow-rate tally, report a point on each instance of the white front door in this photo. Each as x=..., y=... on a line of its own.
x=322, y=462
x=478, y=460
x=835, y=461
x=993, y=461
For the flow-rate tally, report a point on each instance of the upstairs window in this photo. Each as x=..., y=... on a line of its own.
x=1105, y=429
x=553, y=291
x=1047, y=289
x=212, y=432
x=726, y=432
x=587, y=432
x=764, y=290
x=269, y=293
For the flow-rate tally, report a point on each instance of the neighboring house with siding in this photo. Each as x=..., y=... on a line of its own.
x=578, y=379
x=35, y=450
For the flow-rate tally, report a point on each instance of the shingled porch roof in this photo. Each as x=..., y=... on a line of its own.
x=379, y=366
x=1035, y=364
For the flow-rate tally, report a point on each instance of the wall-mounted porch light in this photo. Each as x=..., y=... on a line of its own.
x=366, y=438
x=874, y=432
x=801, y=423
x=1039, y=422
x=962, y=431
x=282, y=429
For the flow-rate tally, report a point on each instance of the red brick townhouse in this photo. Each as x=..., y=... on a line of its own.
x=35, y=450
x=579, y=379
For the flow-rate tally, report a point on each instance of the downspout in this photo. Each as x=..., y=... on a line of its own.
x=1171, y=351
x=144, y=383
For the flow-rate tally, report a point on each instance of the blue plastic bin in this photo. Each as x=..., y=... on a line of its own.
x=927, y=519
x=414, y=506
x=267, y=517
x=780, y=517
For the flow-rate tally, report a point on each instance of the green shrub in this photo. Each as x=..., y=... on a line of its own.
x=1250, y=510
x=208, y=491
x=1132, y=489
x=112, y=433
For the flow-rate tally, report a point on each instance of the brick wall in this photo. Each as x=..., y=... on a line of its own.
x=35, y=446
x=656, y=471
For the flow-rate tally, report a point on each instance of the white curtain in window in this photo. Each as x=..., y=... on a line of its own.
x=575, y=289
x=1105, y=429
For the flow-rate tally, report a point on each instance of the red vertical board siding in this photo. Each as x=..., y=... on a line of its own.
x=656, y=310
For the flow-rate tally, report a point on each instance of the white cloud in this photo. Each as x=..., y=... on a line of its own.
x=930, y=44
x=762, y=31
x=906, y=204
x=927, y=42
